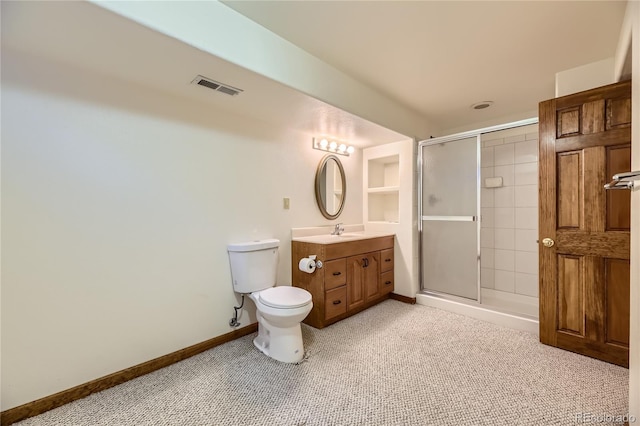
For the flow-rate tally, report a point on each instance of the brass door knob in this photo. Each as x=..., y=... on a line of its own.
x=548, y=242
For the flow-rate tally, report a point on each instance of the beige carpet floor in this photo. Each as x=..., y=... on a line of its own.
x=393, y=364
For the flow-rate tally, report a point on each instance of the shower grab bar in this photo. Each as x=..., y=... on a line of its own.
x=623, y=180
x=452, y=218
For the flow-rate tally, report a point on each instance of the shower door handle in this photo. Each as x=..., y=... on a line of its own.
x=451, y=218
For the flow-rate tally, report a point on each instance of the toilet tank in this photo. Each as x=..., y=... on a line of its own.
x=253, y=265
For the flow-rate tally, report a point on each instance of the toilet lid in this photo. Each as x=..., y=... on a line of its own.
x=285, y=297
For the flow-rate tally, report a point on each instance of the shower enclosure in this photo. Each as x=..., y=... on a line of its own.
x=460, y=227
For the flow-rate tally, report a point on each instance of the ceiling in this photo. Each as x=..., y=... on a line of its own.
x=88, y=37
x=440, y=57
x=436, y=58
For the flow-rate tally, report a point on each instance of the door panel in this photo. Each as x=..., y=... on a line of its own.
x=618, y=202
x=617, y=296
x=594, y=192
x=569, y=122
x=569, y=194
x=570, y=295
x=593, y=117
x=594, y=298
x=450, y=205
x=584, y=277
x=450, y=257
x=450, y=178
x=619, y=112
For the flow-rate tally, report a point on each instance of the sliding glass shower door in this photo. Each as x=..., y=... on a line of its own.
x=449, y=213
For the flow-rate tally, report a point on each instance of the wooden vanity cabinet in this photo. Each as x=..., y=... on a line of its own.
x=355, y=275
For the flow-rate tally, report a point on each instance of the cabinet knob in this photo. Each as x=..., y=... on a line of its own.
x=337, y=302
x=365, y=262
x=387, y=260
x=337, y=273
x=387, y=282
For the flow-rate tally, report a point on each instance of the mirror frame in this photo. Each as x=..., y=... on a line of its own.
x=323, y=208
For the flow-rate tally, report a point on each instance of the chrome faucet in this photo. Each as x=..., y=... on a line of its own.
x=339, y=229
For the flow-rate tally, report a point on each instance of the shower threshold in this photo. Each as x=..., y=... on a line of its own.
x=472, y=308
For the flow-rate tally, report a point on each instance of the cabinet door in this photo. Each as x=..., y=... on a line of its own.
x=355, y=281
x=371, y=275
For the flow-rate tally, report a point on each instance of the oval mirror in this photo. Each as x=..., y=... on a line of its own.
x=331, y=186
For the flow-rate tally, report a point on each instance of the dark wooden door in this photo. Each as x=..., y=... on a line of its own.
x=585, y=138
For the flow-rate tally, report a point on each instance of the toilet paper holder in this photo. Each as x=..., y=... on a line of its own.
x=309, y=264
x=318, y=262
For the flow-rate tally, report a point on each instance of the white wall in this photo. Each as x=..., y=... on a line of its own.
x=585, y=77
x=402, y=207
x=117, y=205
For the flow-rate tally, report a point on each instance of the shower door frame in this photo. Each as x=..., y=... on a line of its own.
x=452, y=138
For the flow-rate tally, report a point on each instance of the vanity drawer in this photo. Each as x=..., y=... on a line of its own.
x=335, y=302
x=386, y=282
x=386, y=260
x=335, y=273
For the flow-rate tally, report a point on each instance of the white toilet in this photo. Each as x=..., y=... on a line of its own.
x=279, y=309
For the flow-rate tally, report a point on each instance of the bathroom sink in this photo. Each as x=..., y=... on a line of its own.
x=348, y=236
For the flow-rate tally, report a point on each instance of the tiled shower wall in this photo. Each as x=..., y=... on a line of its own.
x=509, y=228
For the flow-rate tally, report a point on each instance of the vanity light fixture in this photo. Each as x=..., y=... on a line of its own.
x=335, y=147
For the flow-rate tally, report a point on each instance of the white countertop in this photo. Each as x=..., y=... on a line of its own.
x=344, y=237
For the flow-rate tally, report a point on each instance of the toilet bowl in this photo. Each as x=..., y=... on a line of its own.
x=279, y=331
x=279, y=310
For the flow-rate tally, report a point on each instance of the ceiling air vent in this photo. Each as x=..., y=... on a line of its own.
x=215, y=85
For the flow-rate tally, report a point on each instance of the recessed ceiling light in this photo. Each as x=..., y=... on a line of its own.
x=482, y=105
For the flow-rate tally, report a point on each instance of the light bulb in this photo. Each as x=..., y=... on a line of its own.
x=324, y=143
x=333, y=145
x=342, y=147
x=350, y=149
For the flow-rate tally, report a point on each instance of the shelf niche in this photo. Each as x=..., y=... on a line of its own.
x=383, y=189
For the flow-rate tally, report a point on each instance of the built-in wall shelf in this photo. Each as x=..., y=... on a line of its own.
x=384, y=190
x=388, y=204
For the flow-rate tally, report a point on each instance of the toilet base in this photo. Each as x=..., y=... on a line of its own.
x=283, y=344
